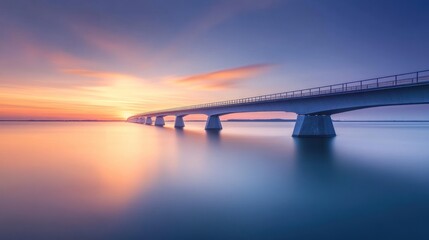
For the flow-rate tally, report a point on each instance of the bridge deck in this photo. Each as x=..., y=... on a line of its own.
x=386, y=82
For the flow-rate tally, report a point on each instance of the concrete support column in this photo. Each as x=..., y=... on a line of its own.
x=314, y=126
x=159, y=121
x=213, y=123
x=148, y=121
x=179, y=123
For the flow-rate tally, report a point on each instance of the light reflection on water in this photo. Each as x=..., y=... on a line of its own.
x=252, y=180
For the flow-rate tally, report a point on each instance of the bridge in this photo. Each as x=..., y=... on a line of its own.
x=314, y=106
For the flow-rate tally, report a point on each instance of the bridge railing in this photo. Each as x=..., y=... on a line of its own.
x=362, y=85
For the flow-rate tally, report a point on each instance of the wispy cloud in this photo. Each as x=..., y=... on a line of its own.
x=101, y=75
x=124, y=49
x=222, y=79
x=215, y=15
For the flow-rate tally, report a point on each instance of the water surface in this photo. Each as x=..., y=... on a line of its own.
x=101, y=180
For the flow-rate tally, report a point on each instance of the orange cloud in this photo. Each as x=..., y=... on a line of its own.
x=117, y=96
x=223, y=79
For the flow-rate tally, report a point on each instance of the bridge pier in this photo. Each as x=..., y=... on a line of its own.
x=148, y=121
x=159, y=121
x=213, y=123
x=179, y=123
x=314, y=126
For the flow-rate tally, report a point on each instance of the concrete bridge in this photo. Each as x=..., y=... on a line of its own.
x=314, y=106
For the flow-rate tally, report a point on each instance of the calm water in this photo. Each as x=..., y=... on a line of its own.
x=251, y=181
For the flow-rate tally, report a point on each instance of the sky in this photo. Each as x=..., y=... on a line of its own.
x=110, y=59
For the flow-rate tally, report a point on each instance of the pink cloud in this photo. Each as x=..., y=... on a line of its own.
x=101, y=75
x=223, y=79
x=120, y=47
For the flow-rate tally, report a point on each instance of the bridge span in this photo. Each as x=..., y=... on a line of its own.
x=314, y=106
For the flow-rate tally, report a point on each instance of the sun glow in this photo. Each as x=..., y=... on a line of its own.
x=126, y=115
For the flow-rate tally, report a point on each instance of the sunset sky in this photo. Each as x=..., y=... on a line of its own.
x=108, y=59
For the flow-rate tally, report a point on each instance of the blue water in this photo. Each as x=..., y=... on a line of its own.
x=86, y=180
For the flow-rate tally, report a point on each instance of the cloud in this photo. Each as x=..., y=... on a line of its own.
x=215, y=15
x=101, y=75
x=223, y=79
x=120, y=47
x=26, y=60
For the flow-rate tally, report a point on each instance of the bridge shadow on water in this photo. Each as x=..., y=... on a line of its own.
x=313, y=159
x=305, y=151
x=314, y=156
x=213, y=137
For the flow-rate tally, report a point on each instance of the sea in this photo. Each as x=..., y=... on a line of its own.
x=252, y=180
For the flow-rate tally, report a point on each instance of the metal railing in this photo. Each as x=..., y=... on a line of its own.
x=362, y=85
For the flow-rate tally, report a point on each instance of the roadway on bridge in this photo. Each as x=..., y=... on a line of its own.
x=314, y=106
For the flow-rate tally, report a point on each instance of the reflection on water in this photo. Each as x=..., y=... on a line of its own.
x=249, y=181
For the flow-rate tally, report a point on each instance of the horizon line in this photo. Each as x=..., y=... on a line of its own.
x=197, y=120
